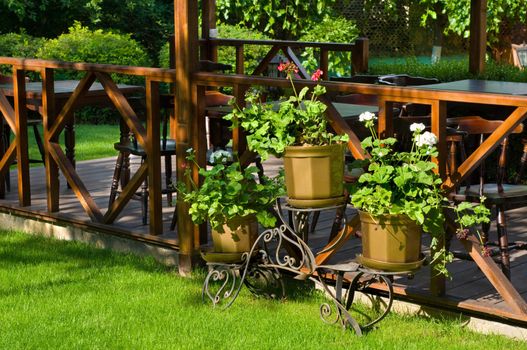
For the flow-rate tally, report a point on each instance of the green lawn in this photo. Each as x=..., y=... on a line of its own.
x=92, y=141
x=66, y=295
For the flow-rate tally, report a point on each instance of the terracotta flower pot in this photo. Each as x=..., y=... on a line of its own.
x=237, y=236
x=390, y=242
x=314, y=175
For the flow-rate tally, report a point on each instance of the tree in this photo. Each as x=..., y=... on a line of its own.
x=454, y=16
x=282, y=19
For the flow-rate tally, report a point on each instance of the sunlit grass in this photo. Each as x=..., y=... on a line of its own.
x=67, y=295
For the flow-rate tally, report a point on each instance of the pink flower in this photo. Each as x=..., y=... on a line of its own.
x=316, y=75
x=288, y=67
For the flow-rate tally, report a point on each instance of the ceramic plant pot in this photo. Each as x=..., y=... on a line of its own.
x=390, y=242
x=314, y=175
x=236, y=236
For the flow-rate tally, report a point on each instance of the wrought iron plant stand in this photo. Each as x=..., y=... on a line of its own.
x=283, y=251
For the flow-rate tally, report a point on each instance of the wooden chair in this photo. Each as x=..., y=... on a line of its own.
x=498, y=192
x=357, y=99
x=127, y=146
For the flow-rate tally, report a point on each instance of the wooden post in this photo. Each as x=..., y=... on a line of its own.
x=49, y=114
x=360, y=55
x=324, y=63
x=19, y=88
x=437, y=280
x=478, y=35
x=186, y=61
x=208, y=24
x=153, y=157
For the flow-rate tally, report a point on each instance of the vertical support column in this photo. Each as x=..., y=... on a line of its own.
x=153, y=157
x=208, y=24
x=240, y=60
x=19, y=88
x=186, y=61
x=478, y=35
x=438, y=114
x=385, y=125
x=49, y=114
x=324, y=63
x=360, y=56
x=239, y=143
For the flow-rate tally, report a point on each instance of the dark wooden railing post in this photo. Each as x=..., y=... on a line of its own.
x=49, y=114
x=324, y=63
x=240, y=60
x=153, y=157
x=360, y=55
x=19, y=88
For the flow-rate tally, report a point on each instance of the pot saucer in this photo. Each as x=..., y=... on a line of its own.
x=225, y=258
x=389, y=266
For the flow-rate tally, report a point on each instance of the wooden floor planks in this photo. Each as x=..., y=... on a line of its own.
x=468, y=284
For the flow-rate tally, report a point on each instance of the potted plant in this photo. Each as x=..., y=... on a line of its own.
x=232, y=200
x=296, y=128
x=399, y=196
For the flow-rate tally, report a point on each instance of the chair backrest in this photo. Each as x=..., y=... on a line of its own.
x=359, y=78
x=405, y=80
x=519, y=55
x=482, y=128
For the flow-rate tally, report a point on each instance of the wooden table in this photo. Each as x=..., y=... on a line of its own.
x=96, y=96
x=482, y=86
x=346, y=110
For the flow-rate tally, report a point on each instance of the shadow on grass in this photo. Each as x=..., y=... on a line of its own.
x=23, y=249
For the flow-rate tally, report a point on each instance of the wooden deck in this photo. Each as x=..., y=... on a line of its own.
x=468, y=291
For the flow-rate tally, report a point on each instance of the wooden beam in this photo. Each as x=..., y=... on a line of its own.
x=208, y=28
x=75, y=182
x=495, y=276
x=49, y=116
x=22, y=156
x=153, y=157
x=186, y=61
x=478, y=35
x=360, y=56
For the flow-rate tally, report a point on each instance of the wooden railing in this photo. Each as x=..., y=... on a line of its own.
x=359, y=53
x=56, y=115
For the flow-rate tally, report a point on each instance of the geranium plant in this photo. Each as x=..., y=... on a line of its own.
x=407, y=183
x=296, y=121
x=229, y=191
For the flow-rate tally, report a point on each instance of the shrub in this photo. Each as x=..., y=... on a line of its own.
x=450, y=70
x=227, y=54
x=83, y=45
x=337, y=30
x=18, y=45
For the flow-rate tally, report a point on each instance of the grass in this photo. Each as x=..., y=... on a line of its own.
x=63, y=295
x=92, y=142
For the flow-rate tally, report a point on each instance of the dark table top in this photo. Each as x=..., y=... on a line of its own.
x=346, y=110
x=483, y=86
x=64, y=88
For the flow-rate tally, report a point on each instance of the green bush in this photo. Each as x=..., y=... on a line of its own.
x=227, y=54
x=337, y=30
x=83, y=45
x=18, y=45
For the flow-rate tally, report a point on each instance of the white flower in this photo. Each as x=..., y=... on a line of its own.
x=417, y=127
x=366, y=116
x=426, y=139
x=220, y=156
